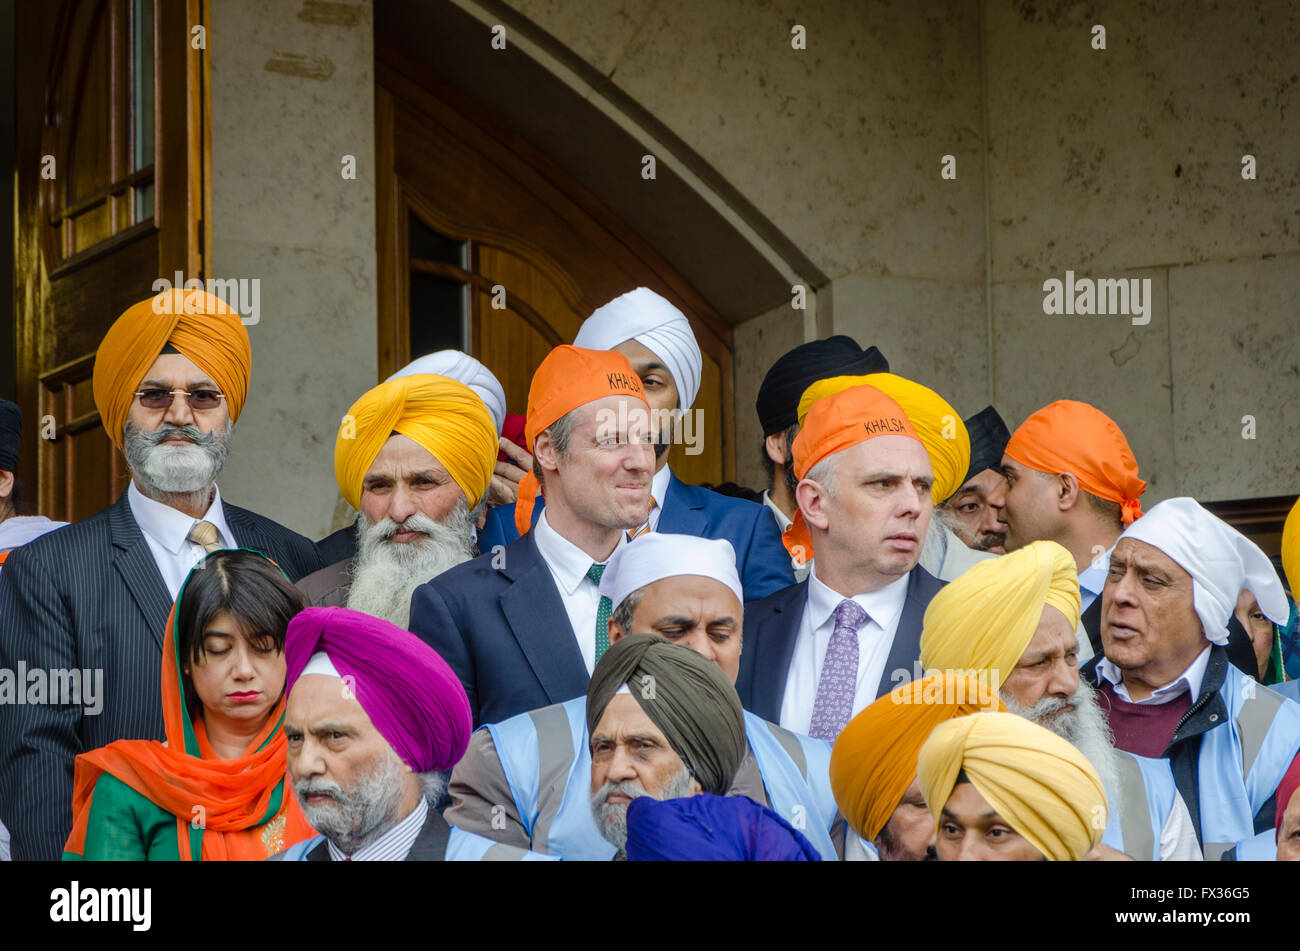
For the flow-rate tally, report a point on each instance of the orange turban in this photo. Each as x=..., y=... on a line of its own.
x=199, y=325
x=569, y=377
x=837, y=422
x=874, y=759
x=443, y=415
x=1074, y=437
x=1291, y=550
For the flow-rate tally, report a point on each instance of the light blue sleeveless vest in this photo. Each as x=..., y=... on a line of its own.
x=547, y=762
x=1147, y=793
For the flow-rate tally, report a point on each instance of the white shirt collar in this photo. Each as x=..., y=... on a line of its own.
x=882, y=605
x=170, y=527
x=567, y=561
x=394, y=845
x=783, y=521
x=659, y=485
x=1189, y=680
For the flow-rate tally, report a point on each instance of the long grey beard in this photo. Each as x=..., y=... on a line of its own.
x=612, y=820
x=362, y=814
x=175, y=470
x=1085, y=726
x=385, y=574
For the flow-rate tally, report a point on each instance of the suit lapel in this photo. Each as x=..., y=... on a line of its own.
x=776, y=636
x=1091, y=621
x=906, y=646
x=431, y=844
x=134, y=562
x=682, y=512
x=537, y=618
x=247, y=535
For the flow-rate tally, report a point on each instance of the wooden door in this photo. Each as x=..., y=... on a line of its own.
x=484, y=245
x=109, y=122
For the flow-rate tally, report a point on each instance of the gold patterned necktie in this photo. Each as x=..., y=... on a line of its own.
x=645, y=526
x=205, y=534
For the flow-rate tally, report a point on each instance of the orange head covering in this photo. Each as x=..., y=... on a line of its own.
x=837, y=422
x=249, y=809
x=199, y=325
x=443, y=415
x=874, y=759
x=1074, y=437
x=1291, y=550
x=569, y=377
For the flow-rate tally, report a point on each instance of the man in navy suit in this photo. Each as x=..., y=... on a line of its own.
x=658, y=341
x=522, y=626
x=820, y=651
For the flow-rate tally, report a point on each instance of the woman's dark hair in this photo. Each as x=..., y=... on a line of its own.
x=246, y=585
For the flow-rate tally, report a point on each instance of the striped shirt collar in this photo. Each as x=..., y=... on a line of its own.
x=394, y=845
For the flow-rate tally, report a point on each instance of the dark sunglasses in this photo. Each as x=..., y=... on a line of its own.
x=162, y=399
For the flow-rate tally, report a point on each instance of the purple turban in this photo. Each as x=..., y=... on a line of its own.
x=412, y=697
x=707, y=828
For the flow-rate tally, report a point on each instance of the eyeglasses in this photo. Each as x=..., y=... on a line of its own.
x=162, y=399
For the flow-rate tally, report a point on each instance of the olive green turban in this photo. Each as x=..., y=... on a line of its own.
x=685, y=695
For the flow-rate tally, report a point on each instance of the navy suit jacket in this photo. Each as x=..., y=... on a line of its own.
x=761, y=558
x=499, y=622
x=772, y=628
x=89, y=596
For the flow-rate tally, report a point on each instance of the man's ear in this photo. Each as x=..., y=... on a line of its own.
x=6, y=484
x=811, y=497
x=695, y=787
x=1067, y=491
x=544, y=451
x=615, y=630
x=774, y=445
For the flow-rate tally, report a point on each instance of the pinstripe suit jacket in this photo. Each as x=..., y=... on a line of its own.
x=90, y=596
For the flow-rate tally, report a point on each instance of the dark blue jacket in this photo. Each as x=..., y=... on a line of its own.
x=761, y=558
x=772, y=628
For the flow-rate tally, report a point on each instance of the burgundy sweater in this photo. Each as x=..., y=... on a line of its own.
x=1142, y=729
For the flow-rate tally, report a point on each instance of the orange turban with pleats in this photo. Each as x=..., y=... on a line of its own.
x=1291, y=550
x=199, y=325
x=443, y=415
x=569, y=377
x=837, y=422
x=1074, y=437
x=874, y=759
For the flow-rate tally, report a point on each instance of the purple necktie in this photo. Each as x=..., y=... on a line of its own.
x=839, y=679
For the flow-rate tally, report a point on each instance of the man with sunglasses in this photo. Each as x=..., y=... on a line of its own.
x=171, y=377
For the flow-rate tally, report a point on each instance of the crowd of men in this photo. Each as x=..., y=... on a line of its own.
x=927, y=638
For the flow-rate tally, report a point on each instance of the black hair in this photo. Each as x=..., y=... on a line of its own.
x=248, y=586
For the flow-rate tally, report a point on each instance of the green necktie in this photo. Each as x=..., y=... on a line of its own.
x=602, y=613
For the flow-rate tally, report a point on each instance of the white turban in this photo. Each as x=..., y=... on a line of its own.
x=656, y=555
x=1222, y=562
x=465, y=369
x=644, y=316
x=320, y=663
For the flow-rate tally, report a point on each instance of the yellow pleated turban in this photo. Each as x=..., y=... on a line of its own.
x=443, y=415
x=984, y=620
x=199, y=325
x=1291, y=550
x=874, y=759
x=939, y=426
x=1039, y=783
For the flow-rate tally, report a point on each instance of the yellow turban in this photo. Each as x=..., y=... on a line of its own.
x=984, y=620
x=1291, y=550
x=874, y=759
x=443, y=415
x=940, y=427
x=199, y=325
x=1039, y=783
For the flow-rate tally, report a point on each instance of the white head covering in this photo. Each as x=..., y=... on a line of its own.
x=657, y=555
x=461, y=366
x=320, y=663
x=644, y=316
x=1222, y=562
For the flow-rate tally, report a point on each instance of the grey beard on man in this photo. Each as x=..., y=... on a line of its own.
x=162, y=469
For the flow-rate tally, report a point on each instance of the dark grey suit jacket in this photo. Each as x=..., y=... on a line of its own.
x=772, y=628
x=89, y=596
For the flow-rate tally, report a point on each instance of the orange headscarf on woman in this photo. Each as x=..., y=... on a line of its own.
x=248, y=809
x=199, y=325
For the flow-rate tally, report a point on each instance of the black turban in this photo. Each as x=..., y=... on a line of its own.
x=778, y=396
x=11, y=435
x=687, y=696
x=988, y=441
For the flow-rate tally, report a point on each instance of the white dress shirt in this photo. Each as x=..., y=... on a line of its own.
x=658, y=489
x=1189, y=680
x=884, y=608
x=783, y=522
x=167, y=529
x=393, y=846
x=569, y=565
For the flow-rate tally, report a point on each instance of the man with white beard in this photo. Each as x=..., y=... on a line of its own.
x=1012, y=621
x=171, y=378
x=415, y=456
